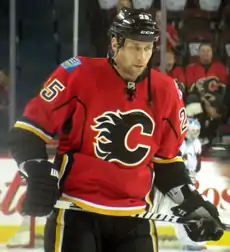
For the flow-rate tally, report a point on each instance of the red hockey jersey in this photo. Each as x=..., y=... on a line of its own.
x=203, y=80
x=108, y=149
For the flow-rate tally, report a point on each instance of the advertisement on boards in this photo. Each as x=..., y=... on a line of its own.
x=12, y=191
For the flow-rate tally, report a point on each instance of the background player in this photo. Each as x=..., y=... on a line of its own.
x=120, y=127
x=191, y=153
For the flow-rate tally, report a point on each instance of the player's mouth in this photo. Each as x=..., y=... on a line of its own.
x=138, y=66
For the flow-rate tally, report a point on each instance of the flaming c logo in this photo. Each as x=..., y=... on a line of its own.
x=115, y=133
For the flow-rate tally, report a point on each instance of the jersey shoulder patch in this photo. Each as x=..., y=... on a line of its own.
x=70, y=64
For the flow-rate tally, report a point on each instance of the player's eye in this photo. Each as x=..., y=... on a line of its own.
x=137, y=48
x=148, y=48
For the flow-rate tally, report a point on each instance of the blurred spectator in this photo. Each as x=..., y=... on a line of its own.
x=210, y=112
x=209, y=5
x=176, y=72
x=207, y=75
x=171, y=33
x=177, y=5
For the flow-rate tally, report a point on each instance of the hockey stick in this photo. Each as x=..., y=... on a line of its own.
x=147, y=215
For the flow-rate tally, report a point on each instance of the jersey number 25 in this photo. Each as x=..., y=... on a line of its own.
x=51, y=91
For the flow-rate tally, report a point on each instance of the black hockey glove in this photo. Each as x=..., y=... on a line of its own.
x=42, y=188
x=208, y=225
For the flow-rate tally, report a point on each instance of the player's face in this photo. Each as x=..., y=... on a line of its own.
x=133, y=58
x=205, y=53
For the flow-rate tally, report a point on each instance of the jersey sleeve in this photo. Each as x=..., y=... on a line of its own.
x=46, y=113
x=174, y=125
x=169, y=166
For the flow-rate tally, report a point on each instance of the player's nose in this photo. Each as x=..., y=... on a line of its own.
x=141, y=56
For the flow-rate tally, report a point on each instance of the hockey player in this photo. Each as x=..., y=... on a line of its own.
x=191, y=148
x=120, y=127
x=191, y=153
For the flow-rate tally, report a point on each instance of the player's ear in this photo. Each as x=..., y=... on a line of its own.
x=114, y=45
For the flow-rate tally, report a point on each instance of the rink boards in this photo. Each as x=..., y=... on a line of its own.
x=12, y=188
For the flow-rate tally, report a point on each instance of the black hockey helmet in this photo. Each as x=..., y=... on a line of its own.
x=136, y=24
